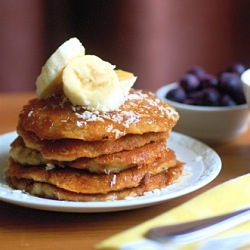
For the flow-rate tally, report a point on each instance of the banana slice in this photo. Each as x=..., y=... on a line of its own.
x=127, y=79
x=50, y=80
x=93, y=83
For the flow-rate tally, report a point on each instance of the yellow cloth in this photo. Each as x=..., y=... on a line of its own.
x=224, y=198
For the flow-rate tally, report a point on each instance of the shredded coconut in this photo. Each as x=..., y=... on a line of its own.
x=49, y=166
x=128, y=116
x=109, y=128
x=118, y=133
x=89, y=116
x=106, y=171
x=113, y=182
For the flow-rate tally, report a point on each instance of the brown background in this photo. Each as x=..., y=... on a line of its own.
x=158, y=40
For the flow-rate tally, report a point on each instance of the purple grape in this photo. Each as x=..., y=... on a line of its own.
x=239, y=96
x=209, y=81
x=189, y=82
x=190, y=101
x=196, y=87
x=229, y=83
x=197, y=71
x=196, y=97
x=227, y=100
x=177, y=94
x=237, y=68
x=211, y=97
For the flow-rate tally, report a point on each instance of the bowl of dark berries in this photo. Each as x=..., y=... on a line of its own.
x=212, y=108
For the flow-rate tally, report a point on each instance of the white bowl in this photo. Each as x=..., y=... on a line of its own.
x=245, y=78
x=211, y=125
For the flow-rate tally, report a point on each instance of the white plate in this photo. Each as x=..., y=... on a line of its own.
x=202, y=165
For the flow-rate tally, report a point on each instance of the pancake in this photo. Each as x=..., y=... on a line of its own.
x=109, y=163
x=117, y=162
x=147, y=184
x=26, y=156
x=71, y=149
x=70, y=153
x=81, y=181
x=56, y=118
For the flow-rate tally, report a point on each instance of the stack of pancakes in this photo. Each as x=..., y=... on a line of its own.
x=66, y=152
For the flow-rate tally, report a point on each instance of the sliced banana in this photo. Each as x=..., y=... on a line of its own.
x=127, y=79
x=50, y=79
x=85, y=79
x=93, y=83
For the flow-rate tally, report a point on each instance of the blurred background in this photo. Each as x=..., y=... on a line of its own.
x=157, y=40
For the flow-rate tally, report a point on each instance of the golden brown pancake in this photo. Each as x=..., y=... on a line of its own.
x=66, y=152
x=26, y=156
x=56, y=118
x=148, y=183
x=81, y=181
x=109, y=163
x=117, y=162
x=71, y=149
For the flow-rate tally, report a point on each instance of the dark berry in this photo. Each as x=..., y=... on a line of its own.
x=239, y=96
x=209, y=81
x=211, y=97
x=177, y=94
x=197, y=71
x=196, y=87
x=227, y=100
x=190, y=101
x=189, y=82
x=237, y=68
x=196, y=97
x=229, y=83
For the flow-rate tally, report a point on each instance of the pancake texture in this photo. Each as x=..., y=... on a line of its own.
x=107, y=163
x=71, y=149
x=148, y=184
x=56, y=118
x=80, y=181
x=66, y=152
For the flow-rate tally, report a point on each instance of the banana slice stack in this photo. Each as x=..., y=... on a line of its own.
x=86, y=80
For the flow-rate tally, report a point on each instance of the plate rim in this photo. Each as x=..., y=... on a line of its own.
x=21, y=199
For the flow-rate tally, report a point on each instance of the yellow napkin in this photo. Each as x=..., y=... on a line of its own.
x=224, y=198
